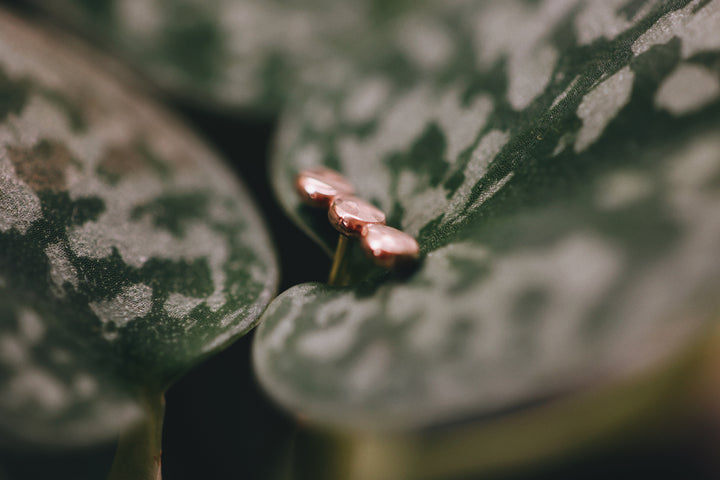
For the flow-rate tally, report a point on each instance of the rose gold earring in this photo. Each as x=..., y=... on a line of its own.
x=389, y=247
x=386, y=246
x=319, y=186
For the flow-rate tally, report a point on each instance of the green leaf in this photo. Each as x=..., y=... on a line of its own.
x=128, y=251
x=560, y=168
x=249, y=53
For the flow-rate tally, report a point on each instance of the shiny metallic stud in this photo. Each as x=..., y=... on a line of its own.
x=350, y=215
x=389, y=247
x=353, y=217
x=319, y=186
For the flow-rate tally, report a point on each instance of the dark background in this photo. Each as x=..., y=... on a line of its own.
x=220, y=425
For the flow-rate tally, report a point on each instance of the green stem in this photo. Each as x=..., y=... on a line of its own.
x=139, y=449
x=338, y=271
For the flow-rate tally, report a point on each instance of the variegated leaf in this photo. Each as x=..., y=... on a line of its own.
x=127, y=250
x=560, y=167
x=247, y=53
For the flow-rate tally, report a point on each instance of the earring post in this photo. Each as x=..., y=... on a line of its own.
x=338, y=271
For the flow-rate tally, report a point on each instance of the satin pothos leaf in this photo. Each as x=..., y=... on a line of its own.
x=128, y=251
x=228, y=53
x=561, y=173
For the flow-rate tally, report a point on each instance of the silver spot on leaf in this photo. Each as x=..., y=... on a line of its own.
x=62, y=271
x=600, y=20
x=698, y=31
x=31, y=325
x=601, y=105
x=134, y=301
x=178, y=305
x=687, y=89
x=621, y=189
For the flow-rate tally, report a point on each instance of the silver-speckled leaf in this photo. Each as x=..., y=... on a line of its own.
x=238, y=53
x=561, y=172
x=127, y=250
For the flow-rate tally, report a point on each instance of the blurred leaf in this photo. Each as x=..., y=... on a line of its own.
x=128, y=252
x=228, y=53
x=560, y=167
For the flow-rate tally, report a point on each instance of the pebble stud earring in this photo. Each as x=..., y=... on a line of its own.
x=319, y=186
x=389, y=247
x=350, y=216
x=353, y=217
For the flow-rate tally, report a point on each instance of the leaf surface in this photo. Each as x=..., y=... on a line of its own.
x=560, y=167
x=236, y=54
x=128, y=251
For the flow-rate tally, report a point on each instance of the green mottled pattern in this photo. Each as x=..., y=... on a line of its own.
x=562, y=174
x=248, y=53
x=52, y=390
x=128, y=252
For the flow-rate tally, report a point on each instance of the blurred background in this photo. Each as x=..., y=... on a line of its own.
x=219, y=425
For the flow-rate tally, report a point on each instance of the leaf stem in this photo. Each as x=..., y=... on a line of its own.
x=338, y=271
x=140, y=448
